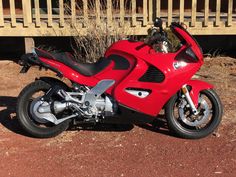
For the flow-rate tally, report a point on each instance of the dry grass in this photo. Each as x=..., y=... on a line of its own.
x=91, y=47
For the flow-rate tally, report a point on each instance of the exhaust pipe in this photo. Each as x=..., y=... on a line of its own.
x=56, y=107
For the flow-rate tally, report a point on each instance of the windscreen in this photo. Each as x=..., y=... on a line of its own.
x=185, y=36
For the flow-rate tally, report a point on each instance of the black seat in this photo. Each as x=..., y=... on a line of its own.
x=86, y=69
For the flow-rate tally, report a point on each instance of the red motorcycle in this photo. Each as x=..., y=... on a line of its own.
x=132, y=77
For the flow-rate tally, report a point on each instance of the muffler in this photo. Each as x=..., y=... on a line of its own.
x=55, y=107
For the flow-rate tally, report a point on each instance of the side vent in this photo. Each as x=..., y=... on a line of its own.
x=153, y=75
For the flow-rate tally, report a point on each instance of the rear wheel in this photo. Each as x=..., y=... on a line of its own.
x=36, y=127
x=183, y=123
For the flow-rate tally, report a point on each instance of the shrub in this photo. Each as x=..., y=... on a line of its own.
x=91, y=46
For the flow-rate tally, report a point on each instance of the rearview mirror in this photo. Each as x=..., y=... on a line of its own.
x=158, y=22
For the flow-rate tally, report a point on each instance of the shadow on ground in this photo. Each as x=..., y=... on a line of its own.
x=9, y=121
x=8, y=114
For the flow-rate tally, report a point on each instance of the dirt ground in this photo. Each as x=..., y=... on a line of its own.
x=107, y=151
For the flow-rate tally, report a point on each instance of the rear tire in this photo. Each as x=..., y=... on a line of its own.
x=25, y=118
x=178, y=127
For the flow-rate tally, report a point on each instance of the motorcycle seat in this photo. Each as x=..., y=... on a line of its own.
x=86, y=69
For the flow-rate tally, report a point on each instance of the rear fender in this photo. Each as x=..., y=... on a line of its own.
x=53, y=81
x=197, y=87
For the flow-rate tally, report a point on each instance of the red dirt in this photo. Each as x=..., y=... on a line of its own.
x=109, y=151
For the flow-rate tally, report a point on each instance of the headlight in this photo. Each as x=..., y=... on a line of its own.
x=187, y=55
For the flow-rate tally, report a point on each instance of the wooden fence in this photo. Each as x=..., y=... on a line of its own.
x=33, y=20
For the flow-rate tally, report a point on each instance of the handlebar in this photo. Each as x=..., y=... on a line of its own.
x=156, y=36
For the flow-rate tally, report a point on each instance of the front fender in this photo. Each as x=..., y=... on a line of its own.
x=197, y=87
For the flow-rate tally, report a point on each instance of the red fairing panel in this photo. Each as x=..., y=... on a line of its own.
x=191, y=42
x=116, y=74
x=160, y=92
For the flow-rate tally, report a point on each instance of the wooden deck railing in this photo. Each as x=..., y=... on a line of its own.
x=33, y=20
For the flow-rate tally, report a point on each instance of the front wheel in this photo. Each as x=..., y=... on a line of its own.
x=33, y=125
x=184, y=124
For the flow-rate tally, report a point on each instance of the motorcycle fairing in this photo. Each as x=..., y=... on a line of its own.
x=160, y=92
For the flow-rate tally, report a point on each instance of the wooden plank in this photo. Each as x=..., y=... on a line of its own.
x=31, y=31
x=206, y=13
x=1, y=14
x=218, y=6
x=37, y=13
x=134, y=22
x=181, y=11
x=98, y=12
x=27, y=12
x=13, y=12
x=122, y=12
x=109, y=12
x=73, y=12
x=194, y=11
x=170, y=11
x=158, y=8
x=145, y=13
x=61, y=13
x=150, y=12
x=213, y=31
x=230, y=13
x=85, y=12
x=49, y=10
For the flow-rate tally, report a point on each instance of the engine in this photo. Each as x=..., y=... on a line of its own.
x=105, y=107
x=90, y=104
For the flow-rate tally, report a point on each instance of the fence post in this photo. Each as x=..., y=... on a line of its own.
x=37, y=13
x=1, y=14
x=49, y=11
x=230, y=10
x=13, y=13
x=158, y=8
x=29, y=44
x=122, y=12
x=73, y=12
x=145, y=14
x=85, y=12
x=181, y=11
x=61, y=13
x=98, y=12
x=206, y=13
x=109, y=13
x=133, y=13
x=150, y=10
x=27, y=12
x=194, y=11
x=170, y=10
x=218, y=6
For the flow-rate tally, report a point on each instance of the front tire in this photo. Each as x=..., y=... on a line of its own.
x=185, y=128
x=34, y=128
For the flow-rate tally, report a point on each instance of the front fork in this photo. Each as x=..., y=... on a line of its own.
x=192, y=96
x=186, y=94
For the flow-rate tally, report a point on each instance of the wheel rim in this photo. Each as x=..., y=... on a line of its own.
x=34, y=107
x=186, y=120
x=33, y=98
